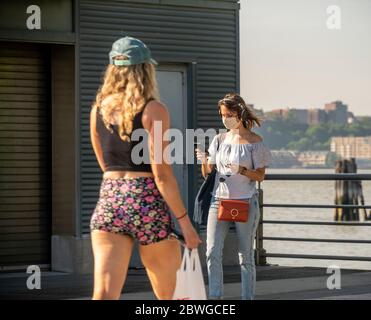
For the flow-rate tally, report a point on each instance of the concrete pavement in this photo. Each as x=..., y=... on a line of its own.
x=273, y=282
x=354, y=286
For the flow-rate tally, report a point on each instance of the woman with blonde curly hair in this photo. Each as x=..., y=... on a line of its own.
x=135, y=198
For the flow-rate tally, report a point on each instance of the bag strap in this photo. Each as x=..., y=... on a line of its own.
x=195, y=260
x=252, y=158
x=191, y=260
x=185, y=261
x=217, y=149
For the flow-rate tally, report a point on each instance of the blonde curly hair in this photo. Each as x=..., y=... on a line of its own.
x=126, y=90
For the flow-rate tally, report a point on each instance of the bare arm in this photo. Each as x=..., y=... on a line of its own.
x=94, y=137
x=162, y=171
x=256, y=175
x=206, y=165
x=206, y=168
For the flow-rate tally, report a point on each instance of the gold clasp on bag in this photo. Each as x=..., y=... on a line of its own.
x=234, y=213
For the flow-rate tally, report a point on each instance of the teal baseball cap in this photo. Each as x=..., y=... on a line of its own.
x=134, y=49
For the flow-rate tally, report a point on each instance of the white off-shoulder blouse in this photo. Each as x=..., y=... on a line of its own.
x=228, y=183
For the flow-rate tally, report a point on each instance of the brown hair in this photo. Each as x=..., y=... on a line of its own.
x=234, y=102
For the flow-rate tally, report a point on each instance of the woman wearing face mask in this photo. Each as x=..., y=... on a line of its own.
x=240, y=157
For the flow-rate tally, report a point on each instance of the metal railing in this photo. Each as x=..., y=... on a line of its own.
x=261, y=253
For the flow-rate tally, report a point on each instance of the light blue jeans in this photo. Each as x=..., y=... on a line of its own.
x=216, y=234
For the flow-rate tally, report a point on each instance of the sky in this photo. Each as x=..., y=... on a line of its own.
x=290, y=58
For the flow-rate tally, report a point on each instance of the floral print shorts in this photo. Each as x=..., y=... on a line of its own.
x=133, y=207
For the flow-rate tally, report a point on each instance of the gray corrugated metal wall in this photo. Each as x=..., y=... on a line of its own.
x=25, y=208
x=180, y=30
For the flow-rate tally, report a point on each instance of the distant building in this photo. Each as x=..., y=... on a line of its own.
x=316, y=116
x=337, y=112
x=284, y=159
x=352, y=147
x=301, y=115
x=313, y=158
x=277, y=113
x=351, y=117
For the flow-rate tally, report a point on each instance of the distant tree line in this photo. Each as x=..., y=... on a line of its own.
x=288, y=133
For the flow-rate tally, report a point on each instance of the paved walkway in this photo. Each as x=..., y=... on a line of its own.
x=273, y=282
x=355, y=286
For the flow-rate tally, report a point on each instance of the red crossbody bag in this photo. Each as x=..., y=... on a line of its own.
x=233, y=210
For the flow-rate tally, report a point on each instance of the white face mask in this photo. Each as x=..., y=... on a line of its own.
x=231, y=122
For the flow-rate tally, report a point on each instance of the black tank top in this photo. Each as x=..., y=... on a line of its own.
x=117, y=152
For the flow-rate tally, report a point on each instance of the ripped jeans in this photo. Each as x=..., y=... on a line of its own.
x=216, y=234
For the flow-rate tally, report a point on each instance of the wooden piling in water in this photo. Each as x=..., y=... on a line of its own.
x=338, y=191
x=348, y=192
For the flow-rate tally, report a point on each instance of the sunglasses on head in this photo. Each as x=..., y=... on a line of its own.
x=230, y=102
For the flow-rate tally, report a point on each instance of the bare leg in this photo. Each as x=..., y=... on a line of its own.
x=162, y=260
x=112, y=254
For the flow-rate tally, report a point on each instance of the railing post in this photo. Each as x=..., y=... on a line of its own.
x=260, y=258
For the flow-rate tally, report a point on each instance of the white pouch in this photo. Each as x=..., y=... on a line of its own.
x=189, y=280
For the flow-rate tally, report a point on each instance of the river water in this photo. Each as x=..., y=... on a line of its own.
x=311, y=192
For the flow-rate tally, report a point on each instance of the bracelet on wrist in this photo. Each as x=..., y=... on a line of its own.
x=182, y=216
